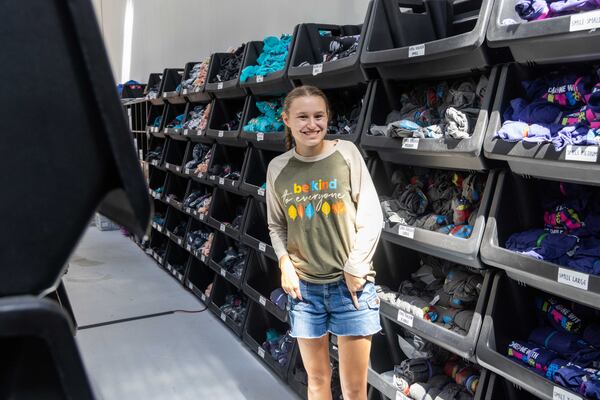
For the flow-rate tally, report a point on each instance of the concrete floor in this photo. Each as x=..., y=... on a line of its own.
x=173, y=356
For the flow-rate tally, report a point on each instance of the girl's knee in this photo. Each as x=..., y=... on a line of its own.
x=320, y=378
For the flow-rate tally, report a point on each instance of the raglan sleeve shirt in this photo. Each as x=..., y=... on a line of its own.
x=276, y=218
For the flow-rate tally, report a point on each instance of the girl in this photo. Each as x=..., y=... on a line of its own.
x=325, y=221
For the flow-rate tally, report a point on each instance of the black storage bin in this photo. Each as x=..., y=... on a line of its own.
x=158, y=183
x=154, y=89
x=559, y=39
x=341, y=105
x=263, y=140
x=201, y=177
x=499, y=388
x=171, y=85
x=175, y=155
x=423, y=39
x=172, y=127
x=199, y=278
x=258, y=322
x=256, y=231
x=220, y=289
x=197, y=252
x=235, y=158
x=506, y=219
x=156, y=120
x=263, y=277
x=230, y=88
x=446, y=152
x=158, y=245
x=226, y=119
x=196, y=135
x=225, y=210
x=464, y=251
x=386, y=260
x=221, y=244
x=533, y=159
x=275, y=83
x=157, y=149
x=196, y=187
x=255, y=174
x=176, y=226
x=341, y=72
x=175, y=191
x=512, y=301
x=177, y=261
x=195, y=93
x=160, y=214
x=133, y=90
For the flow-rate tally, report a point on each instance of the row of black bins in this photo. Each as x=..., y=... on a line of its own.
x=406, y=39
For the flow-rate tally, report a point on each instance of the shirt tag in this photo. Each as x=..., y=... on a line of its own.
x=260, y=137
x=317, y=69
x=410, y=143
x=406, y=231
x=585, y=21
x=219, y=85
x=259, y=78
x=573, y=278
x=261, y=352
x=405, y=318
x=582, y=153
x=416, y=50
x=561, y=394
x=262, y=247
x=262, y=300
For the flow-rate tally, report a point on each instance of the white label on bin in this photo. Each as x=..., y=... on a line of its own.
x=261, y=352
x=179, y=276
x=405, y=318
x=141, y=154
x=178, y=169
x=222, y=227
x=200, y=175
x=188, y=248
x=561, y=394
x=317, y=69
x=406, y=231
x=410, y=143
x=223, y=317
x=401, y=396
x=203, y=258
x=179, y=242
x=213, y=177
x=203, y=297
x=221, y=181
x=185, y=132
x=187, y=171
x=573, y=278
x=169, y=267
x=262, y=300
x=261, y=192
x=260, y=137
x=223, y=272
x=582, y=153
x=160, y=228
x=167, y=165
x=262, y=247
x=190, y=286
x=219, y=85
x=201, y=217
x=154, y=162
x=585, y=21
x=164, y=95
x=221, y=133
x=259, y=78
x=185, y=91
x=416, y=50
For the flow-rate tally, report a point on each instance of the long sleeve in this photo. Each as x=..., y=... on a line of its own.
x=276, y=217
x=369, y=217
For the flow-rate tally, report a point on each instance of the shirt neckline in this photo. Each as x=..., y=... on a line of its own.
x=319, y=156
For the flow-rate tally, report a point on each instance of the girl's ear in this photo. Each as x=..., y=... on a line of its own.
x=285, y=119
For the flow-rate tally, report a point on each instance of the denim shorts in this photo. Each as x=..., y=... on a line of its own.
x=329, y=308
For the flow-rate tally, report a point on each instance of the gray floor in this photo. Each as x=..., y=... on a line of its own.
x=174, y=356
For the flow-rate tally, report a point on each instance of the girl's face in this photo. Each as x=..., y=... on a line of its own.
x=307, y=119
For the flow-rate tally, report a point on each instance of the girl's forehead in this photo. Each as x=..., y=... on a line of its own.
x=308, y=104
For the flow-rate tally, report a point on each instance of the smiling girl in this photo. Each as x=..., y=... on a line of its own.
x=325, y=221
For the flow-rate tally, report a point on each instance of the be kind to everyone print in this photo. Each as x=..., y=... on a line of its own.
x=307, y=200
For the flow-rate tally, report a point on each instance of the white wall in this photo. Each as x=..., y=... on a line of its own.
x=167, y=34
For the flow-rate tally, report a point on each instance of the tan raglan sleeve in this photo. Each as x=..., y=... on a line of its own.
x=275, y=212
x=369, y=216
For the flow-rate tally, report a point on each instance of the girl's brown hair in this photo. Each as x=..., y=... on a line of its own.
x=300, y=91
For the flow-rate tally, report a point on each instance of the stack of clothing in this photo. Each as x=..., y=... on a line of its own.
x=335, y=47
x=155, y=154
x=208, y=290
x=345, y=106
x=230, y=65
x=233, y=124
x=534, y=10
x=205, y=161
x=430, y=373
x=270, y=118
x=197, y=75
x=157, y=122
x=158, y=218
x=272, y=58
x=570, y=235
x=199, y=152
x=198, y=238
x=561, y=108
x=225, y=171
x=435, y=111
x=199, y=201
x=179, y=229
x=173, y=197
x=278, y=345
x=177, y=123
x=564, y=349
x=237, y=220
x=154, y=91
x=440, y=292
x=197, y=118
x=235, y=307
x=234, y=260
x=441, y=201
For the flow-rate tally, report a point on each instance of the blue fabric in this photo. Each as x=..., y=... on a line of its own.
x=575, y=135
x=570, y=376
x=531, y=10
x=270, y=119
x=272, y=58
x=591, y=334
x=540, y=244
x=515, y=131
x=560, y=316
x=587, y=257
x=590, y=389
x=539, y=111
x=568, y=345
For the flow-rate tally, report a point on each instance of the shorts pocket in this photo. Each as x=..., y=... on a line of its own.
x=373, y=302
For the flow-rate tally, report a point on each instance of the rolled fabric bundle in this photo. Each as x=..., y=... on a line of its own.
x=570, y=376
x=554, y=366
x=531, y=354
x=412, y=371
x=570, y=346
x=463, y=286
x=590, y=389
x=449, y=392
